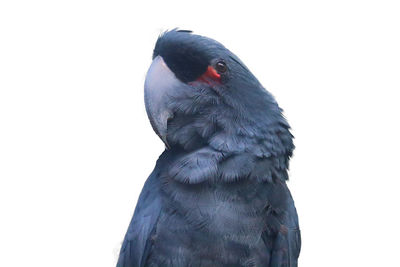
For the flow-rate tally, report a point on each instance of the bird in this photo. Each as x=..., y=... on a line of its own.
x=218, y=194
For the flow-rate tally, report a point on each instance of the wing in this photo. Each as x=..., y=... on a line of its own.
x=285, y=248
x=282, y=236
x=136, y=245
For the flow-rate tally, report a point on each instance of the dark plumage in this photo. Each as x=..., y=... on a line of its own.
x=218, y=194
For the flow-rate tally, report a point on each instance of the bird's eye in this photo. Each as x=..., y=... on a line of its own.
x=220, y=67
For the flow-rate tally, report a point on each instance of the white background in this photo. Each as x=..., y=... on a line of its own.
x=76, y=145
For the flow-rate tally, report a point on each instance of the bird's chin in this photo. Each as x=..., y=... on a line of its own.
x=161, y=83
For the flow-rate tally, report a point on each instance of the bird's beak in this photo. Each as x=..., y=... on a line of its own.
x=159, y=85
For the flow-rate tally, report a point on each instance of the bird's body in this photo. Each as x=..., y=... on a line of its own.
x=218, y=194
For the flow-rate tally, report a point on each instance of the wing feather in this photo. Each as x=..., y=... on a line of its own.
x=137, y=242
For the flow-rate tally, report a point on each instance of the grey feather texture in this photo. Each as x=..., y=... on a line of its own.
x=218, y=194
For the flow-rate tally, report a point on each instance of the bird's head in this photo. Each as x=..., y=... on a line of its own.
x=197, y=92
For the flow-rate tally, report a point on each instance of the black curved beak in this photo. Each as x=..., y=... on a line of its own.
x=159, y=85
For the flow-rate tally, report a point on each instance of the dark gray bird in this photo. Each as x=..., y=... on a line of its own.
x=218, y=194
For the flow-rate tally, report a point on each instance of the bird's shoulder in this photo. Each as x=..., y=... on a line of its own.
x=282, y=235
x=136, y=244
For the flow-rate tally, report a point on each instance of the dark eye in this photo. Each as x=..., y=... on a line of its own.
x=220, y=67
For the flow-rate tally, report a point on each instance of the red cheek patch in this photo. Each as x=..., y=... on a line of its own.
x=211, y=75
